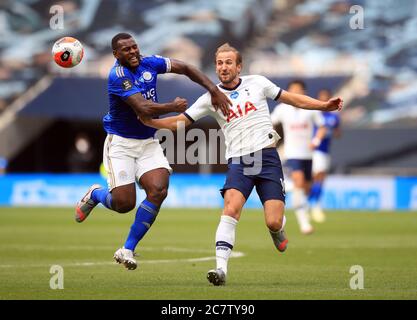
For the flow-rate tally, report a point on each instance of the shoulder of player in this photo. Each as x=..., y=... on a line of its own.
x=331, y=118
x=256, y=80
x=206, y=98
x=148, y=61
x=331, y=115
x=203, y=101
x=253, y=77
x=119, y=71
x=144, y=60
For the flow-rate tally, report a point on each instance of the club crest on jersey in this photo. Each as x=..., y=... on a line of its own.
x=240, y=112
x=234, y=95
x=146, y=76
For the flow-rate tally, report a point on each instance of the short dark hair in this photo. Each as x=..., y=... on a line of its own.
x=118, y=37
x=299, y=82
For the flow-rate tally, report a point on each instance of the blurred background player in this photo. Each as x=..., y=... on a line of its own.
x=131, y=153
x=253, y=160
x=81, y=156
x=299, y=143
x=321, y=158
x=3, y=165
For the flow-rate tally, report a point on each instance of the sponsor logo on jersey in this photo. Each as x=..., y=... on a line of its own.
x=234, y=95
x=240, y=112
x=150, y=94
x=299, y=126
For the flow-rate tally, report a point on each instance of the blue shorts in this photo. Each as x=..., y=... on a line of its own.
x=262, y=170
x=301, y=165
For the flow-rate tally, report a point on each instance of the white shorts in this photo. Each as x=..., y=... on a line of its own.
x=126, y=160
x=321, y=162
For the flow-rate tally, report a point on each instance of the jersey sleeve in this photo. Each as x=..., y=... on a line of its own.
x=121, y=83
x=199, y=109
x=318, y=119
x=270, y=89
x=276, y=115
x=161, y=64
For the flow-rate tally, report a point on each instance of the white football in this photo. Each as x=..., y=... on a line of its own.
x=67, y=52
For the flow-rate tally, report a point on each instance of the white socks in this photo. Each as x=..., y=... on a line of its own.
x=225, y=240
x=300, y=205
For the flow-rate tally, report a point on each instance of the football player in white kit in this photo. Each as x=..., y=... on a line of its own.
x=250, y=139
x=299, y=144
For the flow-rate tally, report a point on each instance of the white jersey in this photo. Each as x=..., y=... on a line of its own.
x=248, y=126
x=298, y=125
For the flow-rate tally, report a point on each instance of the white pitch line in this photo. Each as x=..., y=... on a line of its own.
x=96, y=248
x=236, y=254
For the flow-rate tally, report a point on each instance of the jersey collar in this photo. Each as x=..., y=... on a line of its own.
x=231, y=89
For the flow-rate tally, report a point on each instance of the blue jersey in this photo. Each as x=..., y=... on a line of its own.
x=123, y=82
x=331, y=121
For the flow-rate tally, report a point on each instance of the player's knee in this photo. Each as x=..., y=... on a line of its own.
x=231, y=211
x=274, y=225
x=124, y=206
x=157, y=194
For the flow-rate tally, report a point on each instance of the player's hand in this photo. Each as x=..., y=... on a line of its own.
x=314, y=143
x=220, y=101
x=180, y=105
x=334, y=104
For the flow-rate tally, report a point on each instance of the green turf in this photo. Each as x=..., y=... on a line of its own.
x=314, y=267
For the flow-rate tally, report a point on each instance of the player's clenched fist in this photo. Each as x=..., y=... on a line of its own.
x=180, y=104
x=334, y=104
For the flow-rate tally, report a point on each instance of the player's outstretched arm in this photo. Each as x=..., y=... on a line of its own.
x=148, y=108
x=218, y=98
x=320, y=135
x=170, y=123
x=306, y=102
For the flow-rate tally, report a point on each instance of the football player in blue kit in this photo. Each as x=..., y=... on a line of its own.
x=131, y=153
x=321, y=158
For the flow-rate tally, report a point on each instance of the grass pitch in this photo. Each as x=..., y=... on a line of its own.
x=179, y=249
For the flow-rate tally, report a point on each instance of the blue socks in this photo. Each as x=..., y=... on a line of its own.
x=315, y=193
x=102, y=196
x=145, y=216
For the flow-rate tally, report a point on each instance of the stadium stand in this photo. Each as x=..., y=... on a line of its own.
x=372, y=68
